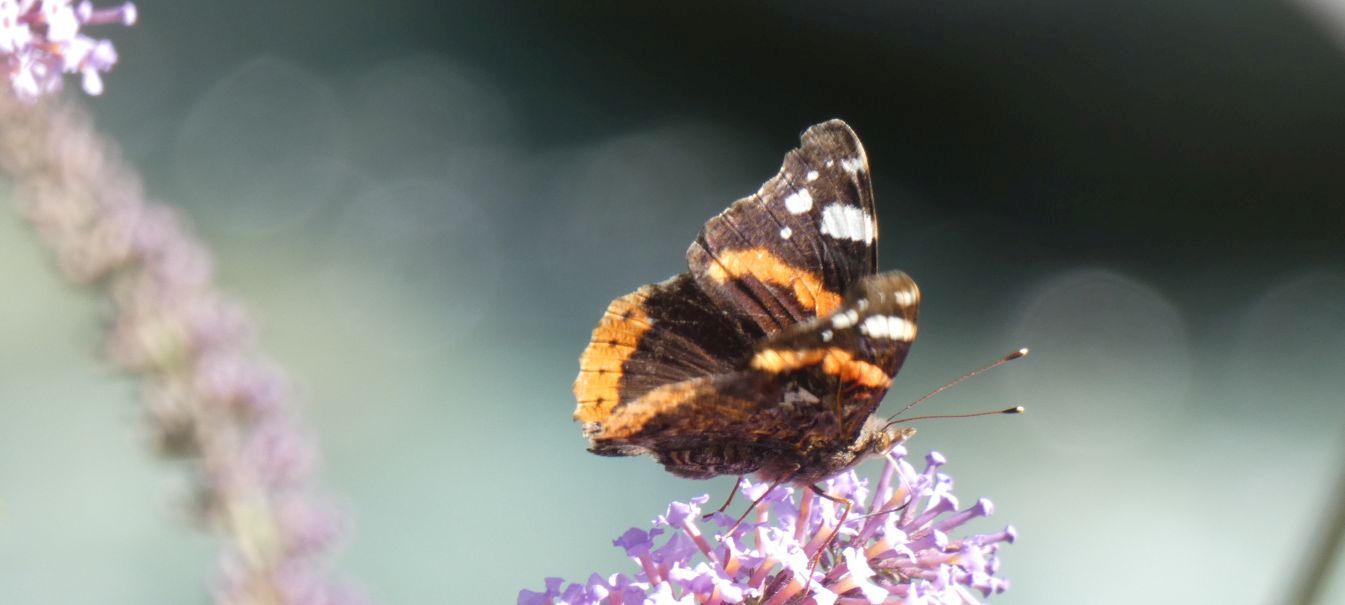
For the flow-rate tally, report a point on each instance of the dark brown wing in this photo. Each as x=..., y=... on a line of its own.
x=660, y=334
x=807, y=388
x=861, y=346
x=788, y=253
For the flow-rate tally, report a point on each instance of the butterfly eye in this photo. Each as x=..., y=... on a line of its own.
x=895, y=435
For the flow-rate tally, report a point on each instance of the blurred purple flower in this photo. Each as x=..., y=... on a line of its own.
x=41, y=41
x=210, y=398
x=895, y=547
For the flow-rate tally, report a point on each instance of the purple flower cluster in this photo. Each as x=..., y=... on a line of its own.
x=893, y=547
x=209, y=397
x=40, y=41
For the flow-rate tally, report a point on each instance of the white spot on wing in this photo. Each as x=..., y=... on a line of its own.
x=889, y=326
x=853, y=165
x=785, y=232
x=793, y=398
x=847, y=222
x=812, y=176
x=906, y=297
x=845, y=320
x=799, y=202
x=831, y=163
x=826, y=335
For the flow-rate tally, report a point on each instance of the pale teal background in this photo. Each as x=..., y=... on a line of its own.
x=426, y=207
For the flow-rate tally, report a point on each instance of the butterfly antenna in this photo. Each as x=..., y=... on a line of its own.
x=1003, y=360
x=1017, y=409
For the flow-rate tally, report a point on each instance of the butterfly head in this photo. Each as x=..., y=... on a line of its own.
x=878, y=436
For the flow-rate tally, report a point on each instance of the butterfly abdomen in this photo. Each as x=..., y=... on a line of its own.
x=711, y=461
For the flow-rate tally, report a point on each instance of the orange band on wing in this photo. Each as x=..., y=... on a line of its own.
x=767, y=268
x=634, y=417
x=835, y=362
x=600, y=367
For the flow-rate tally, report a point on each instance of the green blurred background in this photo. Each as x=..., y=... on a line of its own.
x=427, y=205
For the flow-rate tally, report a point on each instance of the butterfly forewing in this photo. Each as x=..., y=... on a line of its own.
x=789, y=252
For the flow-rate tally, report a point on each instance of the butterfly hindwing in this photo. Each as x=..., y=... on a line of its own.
x=789, y=252
x=660, y=334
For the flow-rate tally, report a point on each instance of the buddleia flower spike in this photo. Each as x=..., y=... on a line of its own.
x=900, y=544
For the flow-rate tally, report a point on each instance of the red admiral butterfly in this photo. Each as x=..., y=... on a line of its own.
x=772, y=353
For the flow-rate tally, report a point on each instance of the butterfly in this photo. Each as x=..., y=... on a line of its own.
x=770, y=355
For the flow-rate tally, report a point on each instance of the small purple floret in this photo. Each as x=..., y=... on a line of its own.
x=637, y=542
x=678, y=512
x=678, y=548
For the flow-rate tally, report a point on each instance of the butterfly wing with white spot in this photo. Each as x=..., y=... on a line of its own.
x=860, y=347
x=789, y=252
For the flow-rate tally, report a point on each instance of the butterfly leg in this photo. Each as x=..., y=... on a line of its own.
x=886, y=511
x=753, y=506
x=732, y=493
x=840, y=404
x=845, y=504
